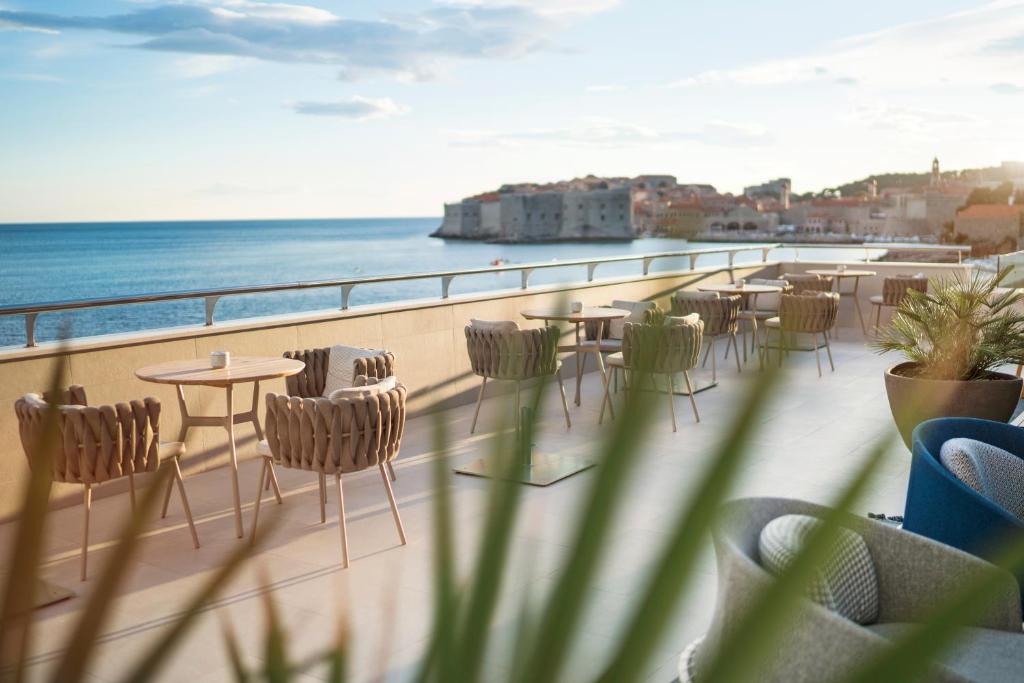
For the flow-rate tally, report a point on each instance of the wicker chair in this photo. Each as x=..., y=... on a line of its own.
x=334, y=437
x=809, y=313
x=761, y=308
x=501, y=351
x=893, y=291
x=611, y=339
x=720, y=315
x=311, y=381
x=808, y=282
x=100, y=444
x=665, y=349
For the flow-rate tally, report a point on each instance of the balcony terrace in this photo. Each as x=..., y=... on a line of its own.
x=811, y=437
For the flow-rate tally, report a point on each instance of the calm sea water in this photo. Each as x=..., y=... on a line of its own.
x=61, y=262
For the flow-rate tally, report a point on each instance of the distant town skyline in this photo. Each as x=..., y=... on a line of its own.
x=222, y=109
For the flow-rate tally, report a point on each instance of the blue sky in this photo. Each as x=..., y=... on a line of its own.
x=158, y=109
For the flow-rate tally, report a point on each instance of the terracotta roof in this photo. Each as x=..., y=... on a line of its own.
x=991, y=211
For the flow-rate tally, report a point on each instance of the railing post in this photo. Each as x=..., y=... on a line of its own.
x=211, y=303
x=867, y=254
x=446, y=283
x=30, y=329
x=647, y=264
x=693, y=261
x=591, y=267
x=764, y=255
x=524, y=277
x=796, y=253
x=345, y=291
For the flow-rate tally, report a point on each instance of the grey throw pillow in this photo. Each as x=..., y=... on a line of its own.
x=993, y=472
x=846, y=583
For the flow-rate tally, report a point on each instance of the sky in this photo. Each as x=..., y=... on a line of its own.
x=231, y=109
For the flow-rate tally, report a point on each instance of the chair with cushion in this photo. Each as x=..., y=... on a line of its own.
x=611, y=333
x=812, y=313
x=332, y=368
x=354, y=431
x=876, y=584
x=659, y=349
x=759, y=308
x=808, y=282
x=893, y=291
x=966, y=486
x=99, y=444
x=499, y=350
x=720, y=315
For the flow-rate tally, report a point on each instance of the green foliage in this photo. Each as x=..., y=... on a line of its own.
x=995, y=195
x=962, y=330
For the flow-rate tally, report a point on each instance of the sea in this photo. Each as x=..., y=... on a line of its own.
x=42, y=263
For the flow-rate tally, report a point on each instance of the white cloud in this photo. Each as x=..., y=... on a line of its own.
x=1007, y=88
x=410, y=46
x=909, y=119
x=601, y=133
x=201, y=66
x=951, y=49
x=357, y=108
x=605, y=87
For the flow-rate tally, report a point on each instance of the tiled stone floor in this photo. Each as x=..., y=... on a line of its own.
x=812, y=435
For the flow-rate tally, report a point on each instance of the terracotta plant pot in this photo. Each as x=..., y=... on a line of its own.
x=914, y=400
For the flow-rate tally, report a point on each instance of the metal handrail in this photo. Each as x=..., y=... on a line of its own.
x=212, y=296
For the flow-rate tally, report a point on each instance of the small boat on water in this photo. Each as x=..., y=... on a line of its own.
x=499, y=262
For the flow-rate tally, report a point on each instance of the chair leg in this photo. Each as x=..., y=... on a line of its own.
x=565, y=403
x=391, y=471
x=782, y=336
x=479, y=400
x=878, y=319
x=828, y=349
x=131, y=487
x=671, y=400
x=736, y=348
x=167, y=499
x=714, y=362
x=87, y=503
x=272, y=482
x=693, y=401
x=394, y=505
x=341, y=521
x=605, y=398
x=323, y=497
x=259, y=499
x=184, y=503
x=817, y=354
x=704, y=363
x=515, y=418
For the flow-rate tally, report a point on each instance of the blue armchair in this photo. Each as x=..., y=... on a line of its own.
x=943, y=508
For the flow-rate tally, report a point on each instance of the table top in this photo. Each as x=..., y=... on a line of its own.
x=198, y=371
x=583, y=316
x=843, y=273
x=733, y=289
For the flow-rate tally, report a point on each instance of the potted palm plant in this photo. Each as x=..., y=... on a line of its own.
x=954, y=339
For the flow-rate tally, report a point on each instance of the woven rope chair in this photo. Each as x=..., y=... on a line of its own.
x=760, y=308
x=611, y=339
x=311, y=381
x=99, y=444
x=893, y=291
x=514, y=355
x=334, y=437
x=808, y=282
x=720, y=315
x=667, y=349
x=808, y=313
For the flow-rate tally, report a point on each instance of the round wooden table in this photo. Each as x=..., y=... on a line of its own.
x=601, y=316
x=197, y=372
x=839, y=276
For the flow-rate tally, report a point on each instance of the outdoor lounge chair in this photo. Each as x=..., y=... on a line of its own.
x=973, y=508
x=893, y=581
x=720, y=315
x=332, y=437
x=758, y=309
x=893, y=291
x=812, y=313
x=665, y=350
x=99, y=444
x=499, y=350
x=807, y=282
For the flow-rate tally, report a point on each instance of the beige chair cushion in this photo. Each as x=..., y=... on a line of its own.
x=691, y=319
x=773, y=322
x=616, y=360
x=378, y=387
x=340, y=364
x=636, y=309
x=494, y=325
x=171, y=449
x=607, y=345
x=768, y=302
x=876, y=299
x=263, y=448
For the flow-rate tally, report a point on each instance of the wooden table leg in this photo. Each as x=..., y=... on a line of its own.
x=604, y=374
x=579, y=362
x=229, y=425
x=183, y=410
x=856, y=304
